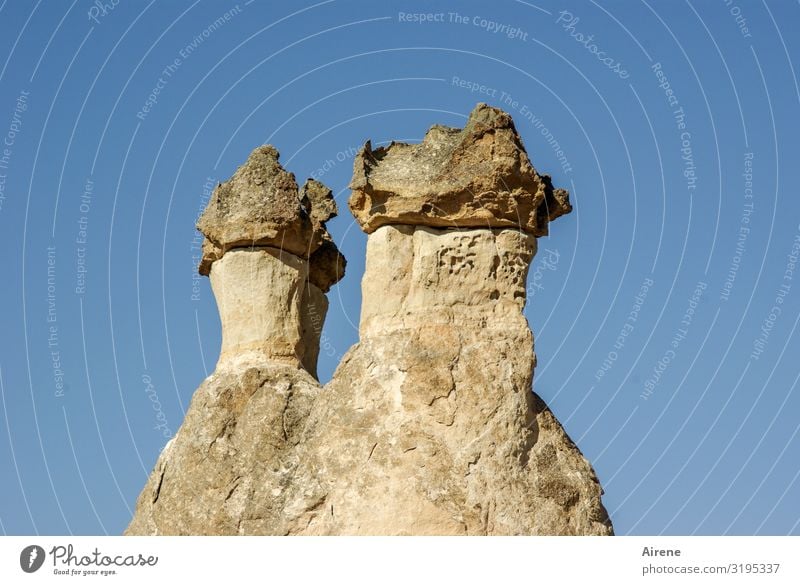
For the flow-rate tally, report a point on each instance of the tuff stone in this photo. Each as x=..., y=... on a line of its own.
x=429, y=424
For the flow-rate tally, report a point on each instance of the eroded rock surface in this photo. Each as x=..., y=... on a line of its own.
x=429, y=425
x=225, y=470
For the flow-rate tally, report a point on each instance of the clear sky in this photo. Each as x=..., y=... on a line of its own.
x=665, y=307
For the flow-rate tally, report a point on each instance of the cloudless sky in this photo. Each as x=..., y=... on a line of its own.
x=665, y=307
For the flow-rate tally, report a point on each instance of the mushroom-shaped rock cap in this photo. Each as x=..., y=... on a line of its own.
x=260, y=205
x=478, y=176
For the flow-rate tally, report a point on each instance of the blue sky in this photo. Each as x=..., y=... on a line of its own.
x=665, y=307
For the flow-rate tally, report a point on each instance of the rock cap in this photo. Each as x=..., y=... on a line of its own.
x=478, y=176
x=261, y=206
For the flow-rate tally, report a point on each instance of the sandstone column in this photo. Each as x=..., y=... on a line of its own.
x=429, y=425
x=271, y=261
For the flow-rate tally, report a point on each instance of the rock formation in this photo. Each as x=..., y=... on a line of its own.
x=429, y=425
x=271, y=261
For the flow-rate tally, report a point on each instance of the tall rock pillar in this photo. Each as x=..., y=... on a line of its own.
x=271, y=261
